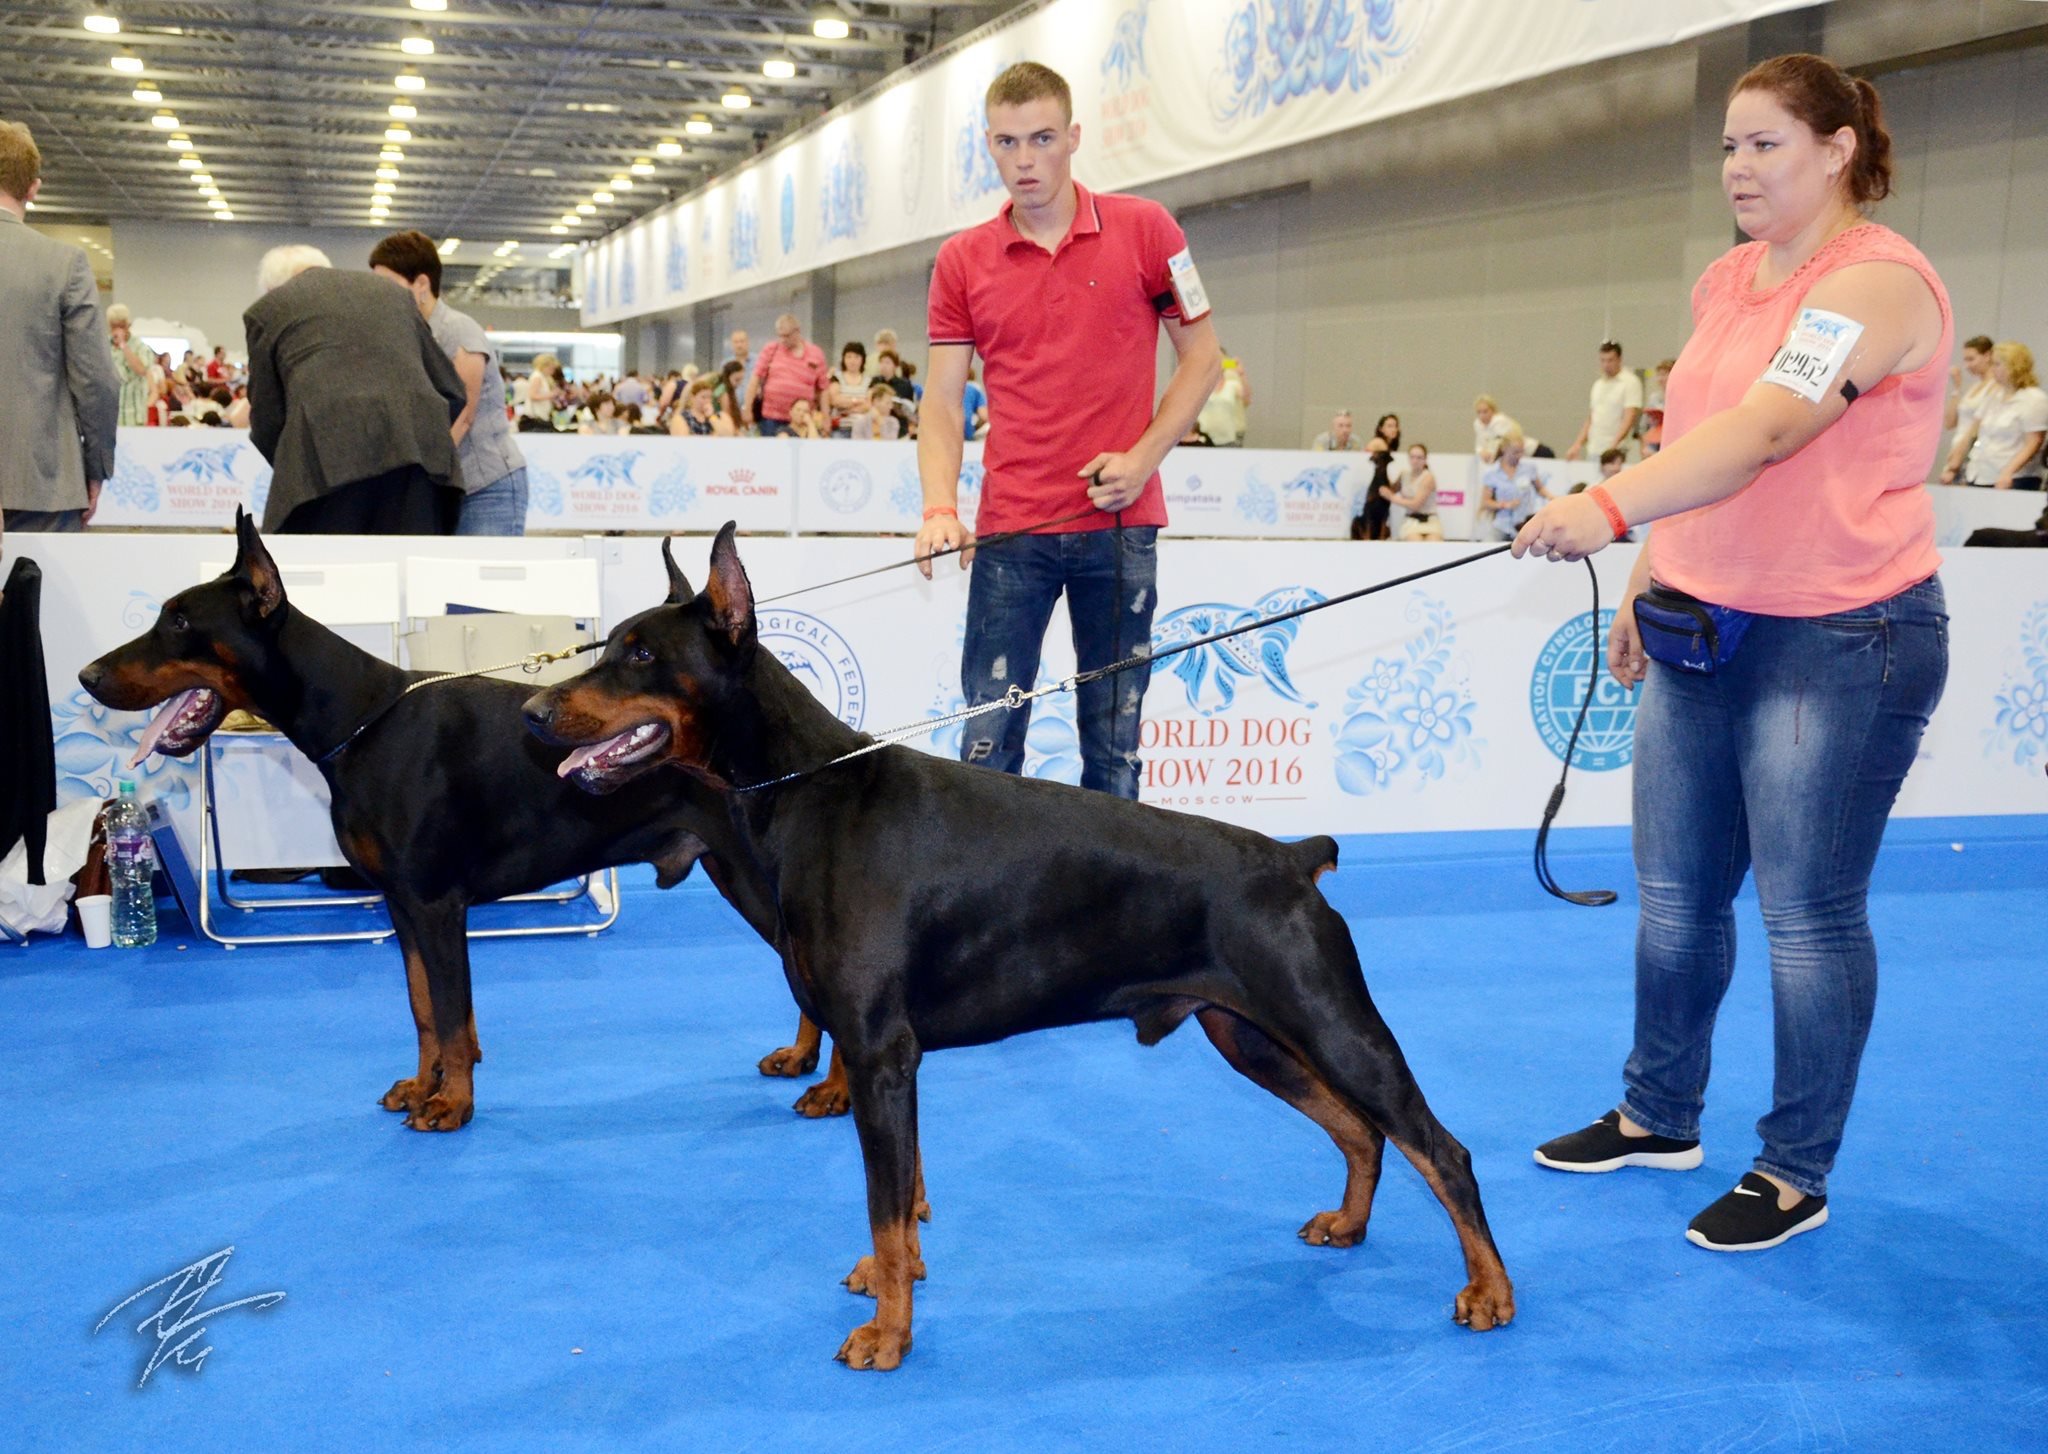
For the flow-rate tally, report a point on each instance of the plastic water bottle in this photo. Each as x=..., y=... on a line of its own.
x=131, y=862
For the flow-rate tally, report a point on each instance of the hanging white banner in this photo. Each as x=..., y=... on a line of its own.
x=1161, y=88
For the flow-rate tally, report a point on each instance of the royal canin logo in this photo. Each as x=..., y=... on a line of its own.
x=741, y=477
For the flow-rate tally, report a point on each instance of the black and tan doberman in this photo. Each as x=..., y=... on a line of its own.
x=925, y=904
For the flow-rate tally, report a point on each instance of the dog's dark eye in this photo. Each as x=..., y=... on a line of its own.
x=178, y=621
x=640, y=654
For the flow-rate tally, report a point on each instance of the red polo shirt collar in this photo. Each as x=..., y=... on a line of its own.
x=1087, y=219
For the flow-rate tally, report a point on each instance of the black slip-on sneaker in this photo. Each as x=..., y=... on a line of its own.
x=1602, y=1147
x=1748, y=1219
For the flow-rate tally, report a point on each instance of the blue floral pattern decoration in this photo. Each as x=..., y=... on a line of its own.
x=2020, y=725
x=1257, y=655
x=132, y=486
x=786, y=207
x=1259, y=503
x=1124, y=61
x=1052, y=743
x=1277, y=51
x=743, y=239
x=672, y=493
x=843, y=205
x=1410, y=716
x=93, y=742
x=907, y=498
x=544, y=493
x=629, y=285
x=678, y=277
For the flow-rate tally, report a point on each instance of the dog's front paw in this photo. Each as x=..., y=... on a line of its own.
x=826, y=1098
x=863, y=1277
x=1486, y=1303
x=407, y=1095
x=789, y=1061
x=1332, y=1229
x=442, y=1112
x=873, y=1346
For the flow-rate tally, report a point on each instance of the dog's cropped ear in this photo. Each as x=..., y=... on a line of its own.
x=679, y=589
x=730, y=593
x=254, y=565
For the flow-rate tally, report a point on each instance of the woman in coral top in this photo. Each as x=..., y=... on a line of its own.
x=1790, y=630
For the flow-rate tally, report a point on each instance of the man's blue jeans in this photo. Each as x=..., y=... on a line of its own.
x=498, y=508
x=1010, y=600
x=1786, y=762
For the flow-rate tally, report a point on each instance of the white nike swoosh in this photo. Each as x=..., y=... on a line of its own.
x=1743, y=1191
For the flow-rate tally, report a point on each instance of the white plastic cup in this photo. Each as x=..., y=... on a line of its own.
x=96, y=918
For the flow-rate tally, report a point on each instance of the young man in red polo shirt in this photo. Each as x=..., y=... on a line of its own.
x=1062, y=294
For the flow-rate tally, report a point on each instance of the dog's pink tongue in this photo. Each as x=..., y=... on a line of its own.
x=160, y=723
x=583, y=755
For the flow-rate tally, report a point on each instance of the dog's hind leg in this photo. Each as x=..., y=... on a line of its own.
x=1254, y=1055
x=883, y=1079
x=800, y=1058
x=442, y=1096
x=1332, y=1024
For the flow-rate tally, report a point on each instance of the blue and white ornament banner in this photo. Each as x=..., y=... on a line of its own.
x=1161, y=88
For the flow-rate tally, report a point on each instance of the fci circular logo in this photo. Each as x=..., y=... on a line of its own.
x=820, y=658
x=846, y=485
x=1558, y=686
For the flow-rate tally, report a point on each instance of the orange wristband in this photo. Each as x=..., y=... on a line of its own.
x=1598, y=494
x=942, y=510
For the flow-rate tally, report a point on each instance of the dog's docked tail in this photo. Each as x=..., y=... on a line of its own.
x=1318, y=854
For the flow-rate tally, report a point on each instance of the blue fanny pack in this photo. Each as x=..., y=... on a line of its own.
x=1686, y=632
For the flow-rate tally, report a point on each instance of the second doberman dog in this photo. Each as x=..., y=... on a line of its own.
x=442, y=802
x=925, y=904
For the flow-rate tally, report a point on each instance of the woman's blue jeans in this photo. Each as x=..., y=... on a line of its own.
x=1785, y=762
x=499, y=508
x=1010, y=598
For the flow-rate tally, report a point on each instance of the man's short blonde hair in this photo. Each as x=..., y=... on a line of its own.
x=281, y=264
x=21, y=165
x=1029, y=81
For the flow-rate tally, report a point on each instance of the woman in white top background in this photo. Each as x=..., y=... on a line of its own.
x=1968, y=384
x=2000, y=448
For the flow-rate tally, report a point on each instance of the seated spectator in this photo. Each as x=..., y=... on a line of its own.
x=803, y=420
x=218, y=369
x=237, y=413
x=639, y=420
x=885, y=340
x=847, y=395
x=604, y=417
x=1510, y=491
x=1339, y=435
x=889, y=370
x=2001, y=449
x=880, y=420
x=199, y=408
x=631, y=390
x=702, y=414
x=1489, y=427
x=1417, y=495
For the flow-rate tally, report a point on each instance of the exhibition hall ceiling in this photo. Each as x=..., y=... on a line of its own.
x=543, y=122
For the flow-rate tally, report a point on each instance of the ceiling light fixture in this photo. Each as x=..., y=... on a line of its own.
x=698, y=126
x=102, y=25
x=642, y=167
x=126, y=61
x=736, y=100
x=585, y=209
x=411, y=81
x=602, y=199
x=397, y=133
x=164, y=121
x=778, y=68
x=829, y=24
x=382, y=189
x=668, y=147
x=387, y=174
x=448, y=246
x=416, y=43
x=223, y=216
x=401, y=111
x=558, y=230
x=434, y=5
x=148, y=95
x=570, y=219
x=621, y=184
x=189, y=162
x=179, y=142
x=391, y=154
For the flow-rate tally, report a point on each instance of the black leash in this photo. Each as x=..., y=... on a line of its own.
x=973, y=544
x=531, y=664
x=1018, y=697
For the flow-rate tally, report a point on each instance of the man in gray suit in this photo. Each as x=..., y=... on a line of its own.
x=351, y=401
x=56, y=364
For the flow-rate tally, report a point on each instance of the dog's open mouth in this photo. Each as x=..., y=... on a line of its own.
x=604, y=764
x=181, y=724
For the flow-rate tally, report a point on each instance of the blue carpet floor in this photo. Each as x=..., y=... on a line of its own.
x=636, y=1245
